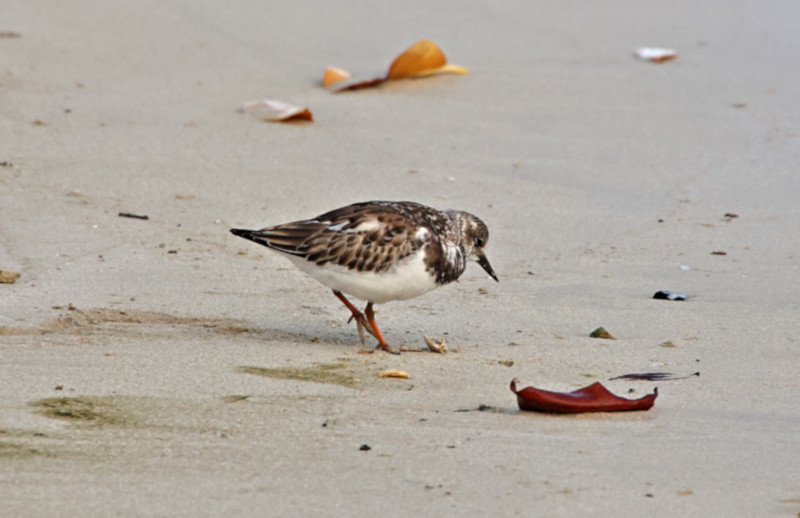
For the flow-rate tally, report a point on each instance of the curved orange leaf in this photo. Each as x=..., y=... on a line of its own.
x=424, y=58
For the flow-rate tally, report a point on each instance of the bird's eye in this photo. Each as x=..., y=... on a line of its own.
x=479, y=242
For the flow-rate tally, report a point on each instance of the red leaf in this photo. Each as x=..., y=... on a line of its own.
x=594, y=398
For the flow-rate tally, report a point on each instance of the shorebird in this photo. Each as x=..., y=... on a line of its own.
x=380, y=251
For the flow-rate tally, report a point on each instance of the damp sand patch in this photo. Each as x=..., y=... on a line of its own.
x=76, y=320
x=330, y=373
x=16, y=451
x=103, y=321
x=24, y=445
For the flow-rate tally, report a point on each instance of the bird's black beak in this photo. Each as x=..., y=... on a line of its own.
x=484, y=262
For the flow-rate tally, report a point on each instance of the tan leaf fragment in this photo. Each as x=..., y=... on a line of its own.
x=393, y=373
x=7, y=277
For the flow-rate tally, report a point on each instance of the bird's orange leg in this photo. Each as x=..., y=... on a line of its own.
x=377, y=332
x=366, y=322
x=356, y=315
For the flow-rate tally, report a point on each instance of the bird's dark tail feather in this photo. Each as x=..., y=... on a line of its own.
x=241, y=232
x=253, y=235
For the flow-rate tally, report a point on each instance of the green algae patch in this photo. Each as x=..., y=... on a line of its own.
x=323, y=373
x=96, y=411
x=155, y=414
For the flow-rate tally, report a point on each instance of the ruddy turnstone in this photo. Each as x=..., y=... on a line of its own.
x=380, y=251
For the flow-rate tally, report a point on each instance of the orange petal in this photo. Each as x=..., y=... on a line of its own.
x=277, y=111
x=422, y=59
x=334, y=75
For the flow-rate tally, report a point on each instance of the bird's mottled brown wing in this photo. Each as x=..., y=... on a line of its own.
x=371, y=236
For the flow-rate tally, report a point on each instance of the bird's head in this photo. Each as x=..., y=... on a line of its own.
x=475, y=238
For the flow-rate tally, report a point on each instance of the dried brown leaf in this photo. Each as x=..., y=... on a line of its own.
x=353, y=84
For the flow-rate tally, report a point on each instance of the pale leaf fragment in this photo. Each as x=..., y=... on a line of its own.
x=277, y=111
x=655, y=55
x=437, y=346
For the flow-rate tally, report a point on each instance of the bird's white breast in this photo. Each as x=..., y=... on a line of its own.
x=404, y=281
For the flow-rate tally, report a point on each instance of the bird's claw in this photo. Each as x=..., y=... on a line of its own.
x=361, y=334
x=362, y=324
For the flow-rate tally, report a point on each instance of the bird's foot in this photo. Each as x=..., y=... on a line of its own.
x=361, y=321
x=366, y=321
x=388, y=348
x=361, y=324
x=370, y=314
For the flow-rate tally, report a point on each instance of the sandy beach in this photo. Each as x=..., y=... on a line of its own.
x=164, y=367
